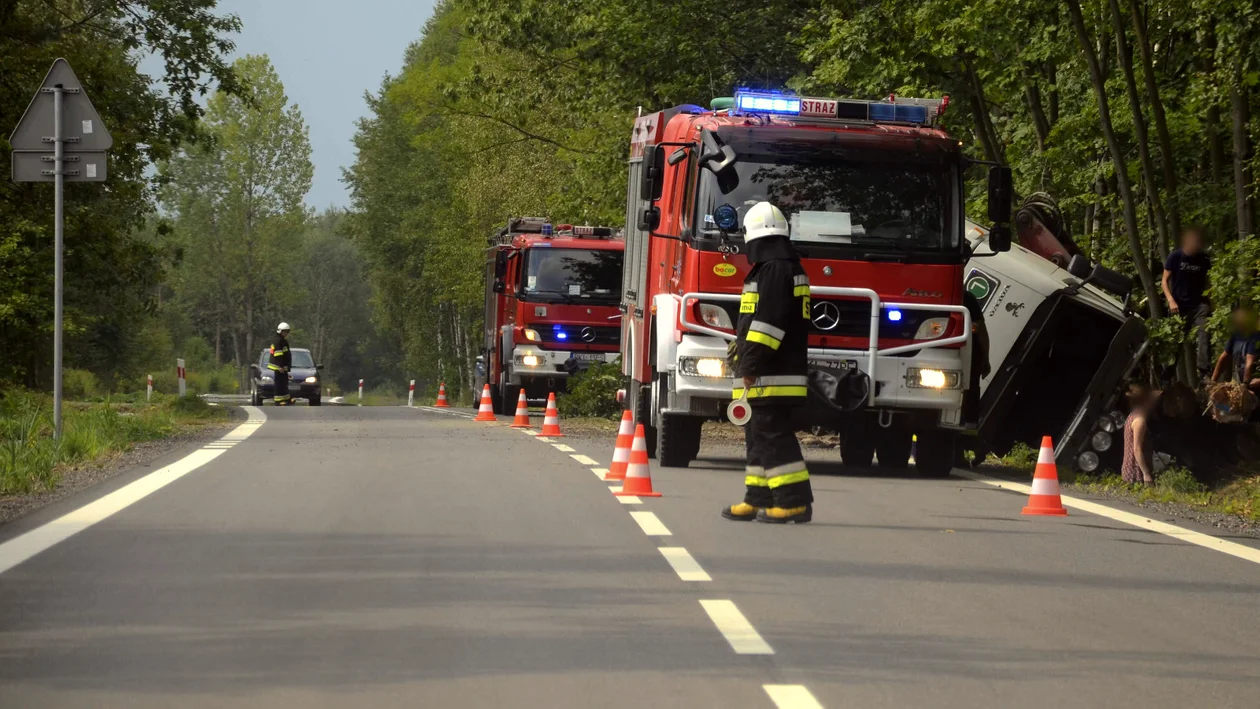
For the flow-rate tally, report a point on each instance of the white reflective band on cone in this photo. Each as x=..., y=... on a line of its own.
x=1045, y=486
x=1045, y=456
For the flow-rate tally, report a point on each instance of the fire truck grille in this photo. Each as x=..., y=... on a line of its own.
x=576, y=335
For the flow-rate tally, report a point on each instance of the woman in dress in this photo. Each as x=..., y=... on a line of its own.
x=1137, y=464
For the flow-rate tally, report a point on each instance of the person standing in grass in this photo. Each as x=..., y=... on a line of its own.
x=1137, y=465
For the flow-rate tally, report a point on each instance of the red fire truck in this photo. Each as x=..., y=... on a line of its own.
x=550, y=307
x=874, y=195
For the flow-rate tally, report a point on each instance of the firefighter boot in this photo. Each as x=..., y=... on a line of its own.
x=742, y=512
x=784, y=515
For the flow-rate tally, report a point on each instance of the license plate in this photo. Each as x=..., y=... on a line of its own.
x=841, y=364
x=588, y=356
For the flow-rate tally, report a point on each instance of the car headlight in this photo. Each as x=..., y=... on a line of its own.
x=532, y=335
x=1101, y=441
x=1106, y=423
x=931, y=328
x=925, y=378
x=714, y=316
x=1087, y=461
x=528, y=360
x=702, y=366
x=311, y=380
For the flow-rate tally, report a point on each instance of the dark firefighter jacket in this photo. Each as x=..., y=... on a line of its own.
x=773, y=325
x=281, y=359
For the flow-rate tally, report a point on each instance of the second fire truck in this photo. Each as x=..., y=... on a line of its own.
x=550, y=307
x=874, y=195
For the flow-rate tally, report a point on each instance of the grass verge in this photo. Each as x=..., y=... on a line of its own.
x=31, y=461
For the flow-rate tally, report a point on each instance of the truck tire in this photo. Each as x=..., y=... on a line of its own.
x=934, y=454
x=511, y=393
x=255, y=396
x=893, y=448
x=678, y=440
x=857, y=451
x=496, y=400
x=643, y=415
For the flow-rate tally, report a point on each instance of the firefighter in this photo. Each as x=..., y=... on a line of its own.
x=279, y=364
x=770, y=364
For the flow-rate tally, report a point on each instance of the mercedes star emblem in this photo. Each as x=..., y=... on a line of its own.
x=826, y=315
x=588, y=334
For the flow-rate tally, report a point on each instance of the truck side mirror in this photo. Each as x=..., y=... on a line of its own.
x=1001, y=194
x=1079, y=266
x=1000, y=238
x=719, y=158
x=650, y=219
x=653, y=167
x=500, y=264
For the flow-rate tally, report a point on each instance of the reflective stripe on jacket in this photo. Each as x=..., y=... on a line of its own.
x=280, y=357
x=773, y=332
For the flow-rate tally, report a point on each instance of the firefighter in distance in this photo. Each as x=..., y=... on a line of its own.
x=770, y=366
x=279, y=363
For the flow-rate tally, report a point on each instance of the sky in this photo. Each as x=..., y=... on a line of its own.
x=328, y=53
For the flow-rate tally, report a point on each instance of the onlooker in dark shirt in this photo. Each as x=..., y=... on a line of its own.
x=1185, y=285
x=1241, y=352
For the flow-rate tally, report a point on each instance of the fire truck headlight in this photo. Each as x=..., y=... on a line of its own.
x=714, y=316
x=528, y=360
x=922, y=378
x=532, y=335
x=931, y=328
x=1087, y=461
x=702, y=366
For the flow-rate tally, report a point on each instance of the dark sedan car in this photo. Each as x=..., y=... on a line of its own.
x=303, y=378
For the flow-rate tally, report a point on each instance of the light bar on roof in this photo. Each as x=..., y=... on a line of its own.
x=767, y=102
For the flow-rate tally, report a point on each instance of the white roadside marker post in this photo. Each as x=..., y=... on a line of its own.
x=411, y=394
x=179, y=372
x=148, y=394
x=360, y=392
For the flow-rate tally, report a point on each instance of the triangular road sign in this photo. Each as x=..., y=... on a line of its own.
x=81, y=125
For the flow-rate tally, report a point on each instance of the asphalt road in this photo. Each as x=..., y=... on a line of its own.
x=380, y=557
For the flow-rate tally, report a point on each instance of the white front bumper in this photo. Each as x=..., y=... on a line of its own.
x=890, y=375
x=550, y=363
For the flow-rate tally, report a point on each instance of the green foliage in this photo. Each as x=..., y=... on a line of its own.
x=1020, y=457
x=79, y=384
x=30, y=460
x=1234, y=280
x=593, y=392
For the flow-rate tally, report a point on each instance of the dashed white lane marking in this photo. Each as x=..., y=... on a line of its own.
x=1206, y=541
x=684, y=564
x=600, y=472
x=23, y=547
x=791, y=696
x=651, y=525
x=562, y=448
x=735, y=628
x=629, y=500
x=544, y=440
x=528, y=431
x=584, y=460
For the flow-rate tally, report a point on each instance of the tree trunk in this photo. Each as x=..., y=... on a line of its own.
x=1139, y=127
x=1033, y=95
x=1113, y=146
x=984, y=122
x=1242, y=199
x=1161, y=120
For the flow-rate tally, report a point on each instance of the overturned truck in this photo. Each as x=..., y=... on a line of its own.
x=1063, y=342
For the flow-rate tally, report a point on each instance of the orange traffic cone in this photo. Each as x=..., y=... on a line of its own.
x=638, y=482
x=551, y=419
x=522, y=412
x=621, y=453
x=1045, y=499
x=486, y=411
x=441, y=402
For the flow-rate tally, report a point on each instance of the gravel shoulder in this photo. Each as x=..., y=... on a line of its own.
x=78, y=478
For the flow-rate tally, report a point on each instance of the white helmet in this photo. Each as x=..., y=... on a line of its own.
x=282, y=327
x=764, y=219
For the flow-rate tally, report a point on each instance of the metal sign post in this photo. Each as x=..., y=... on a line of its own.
x=61, y=108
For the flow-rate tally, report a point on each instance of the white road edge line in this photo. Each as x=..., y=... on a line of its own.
x=25, y=546
x=651, y=525
x=735, y=628
x=791, y=696
x=687, y=568
x=1190, y=536
x=584, y=460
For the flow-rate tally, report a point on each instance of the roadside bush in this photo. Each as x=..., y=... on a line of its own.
x=1180, y=480
x=79, y=384
x=593, y=392
x=1020, y=457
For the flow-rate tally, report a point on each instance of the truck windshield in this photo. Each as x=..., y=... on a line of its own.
x=841, y=204
x=572, y=274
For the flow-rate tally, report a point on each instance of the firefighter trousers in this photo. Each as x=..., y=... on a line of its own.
x=776, y=475
x=282, y=388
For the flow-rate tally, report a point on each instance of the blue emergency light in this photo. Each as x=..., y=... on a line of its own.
x=894, y=315
x=767, y=102
x=899, y=113
x=560, y=334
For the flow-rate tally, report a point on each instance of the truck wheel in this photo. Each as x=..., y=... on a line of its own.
x=934, y=454
x=857, y=450
x=510, y=394
x=893, y=448
x=643, y=415
x=678, y=440
x=255, y=396
x=496, y=399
